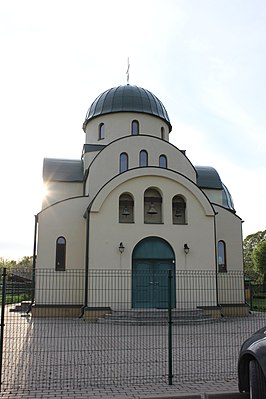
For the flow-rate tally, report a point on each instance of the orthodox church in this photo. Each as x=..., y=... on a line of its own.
x=135, y=206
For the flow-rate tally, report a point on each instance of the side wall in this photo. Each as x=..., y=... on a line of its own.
x=62, y=219
x=229, y=230
x=119, y=125
x=58, y=191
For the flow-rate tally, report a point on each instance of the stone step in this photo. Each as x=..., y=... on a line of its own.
x=156, y=316
x=21, y=307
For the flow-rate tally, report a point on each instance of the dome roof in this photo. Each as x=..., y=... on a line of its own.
x=208, y=177
x=127, y=99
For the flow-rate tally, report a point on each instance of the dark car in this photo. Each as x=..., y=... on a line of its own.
x=252, y=365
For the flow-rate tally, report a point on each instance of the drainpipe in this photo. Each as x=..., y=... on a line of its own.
x=86, y=285
x=34, y=262
x=216, y=262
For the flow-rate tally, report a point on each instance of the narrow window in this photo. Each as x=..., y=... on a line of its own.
x=222, y=257
x=126, y=208
x=123, y=162
x=101, y=131
x=163, y=161
x=143, y=158
x=60, y=257
x=152, y=206
x=162, y=133
x=134, y=128
x=178, y=210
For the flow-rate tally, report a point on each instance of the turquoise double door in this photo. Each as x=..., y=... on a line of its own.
x=153, y=261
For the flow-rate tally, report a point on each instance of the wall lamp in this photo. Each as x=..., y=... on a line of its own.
x=121, y=248
x=186, y=249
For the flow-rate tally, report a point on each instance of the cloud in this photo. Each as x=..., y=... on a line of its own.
x=205, y=60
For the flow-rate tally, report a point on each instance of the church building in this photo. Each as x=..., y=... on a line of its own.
x=135, y=206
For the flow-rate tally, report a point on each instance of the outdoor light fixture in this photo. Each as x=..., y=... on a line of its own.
x=186, y=249
x=121, y=248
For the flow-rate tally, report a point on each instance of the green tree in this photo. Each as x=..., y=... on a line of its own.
x=249, y=244
x=11, y=265
x=259, y=259
x=26, y=261
x=8, y=264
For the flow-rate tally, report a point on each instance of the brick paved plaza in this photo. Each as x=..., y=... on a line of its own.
x=45, y=358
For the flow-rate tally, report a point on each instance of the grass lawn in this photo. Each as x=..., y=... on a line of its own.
x=258, y=304
x=16, y=298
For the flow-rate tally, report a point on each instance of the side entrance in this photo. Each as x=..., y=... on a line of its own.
x=152, y=259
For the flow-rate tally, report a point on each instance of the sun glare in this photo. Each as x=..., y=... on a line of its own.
x=44, y=192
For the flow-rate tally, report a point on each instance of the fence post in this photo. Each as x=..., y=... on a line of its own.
x=170, y=356
x=251, y=296
x=2, y=322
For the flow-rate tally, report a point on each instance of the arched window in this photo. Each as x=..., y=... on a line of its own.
x=178, y=210
x=143, y=158
x=60, y=257
x=123, y=166
x=126, y=208
x=222, y=268
x=101, y=131
x=163, y=161
x=162, y=133
x=152, y=206
x=134, y=128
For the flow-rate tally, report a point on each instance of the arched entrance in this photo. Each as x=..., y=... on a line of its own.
x=152, y=259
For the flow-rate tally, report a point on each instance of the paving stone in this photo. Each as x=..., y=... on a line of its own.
x=71, y=338
x=156, y=391
x=226, y=395
x=175, y=396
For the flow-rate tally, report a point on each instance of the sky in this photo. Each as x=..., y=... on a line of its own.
x=204, y=59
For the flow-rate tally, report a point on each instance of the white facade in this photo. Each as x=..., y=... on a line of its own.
x=132, y=186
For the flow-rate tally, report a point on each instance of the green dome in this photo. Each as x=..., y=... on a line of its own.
x=127, y=99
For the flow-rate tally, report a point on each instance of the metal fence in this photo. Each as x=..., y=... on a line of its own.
x=75, y=335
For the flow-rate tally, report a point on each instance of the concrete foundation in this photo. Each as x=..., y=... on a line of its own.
x=56, y=311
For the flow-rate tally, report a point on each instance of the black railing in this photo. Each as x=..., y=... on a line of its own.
x=176, y=332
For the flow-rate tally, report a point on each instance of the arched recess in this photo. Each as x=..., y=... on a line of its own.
x=222, y=267
x=152, y=206
x=101, y=131
x=123, y=162
x=152, y=259
x=135, y=127
x=60, y=255
x=143, y=158
x=178, y=210
x=163, y=161
x=126, y=208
